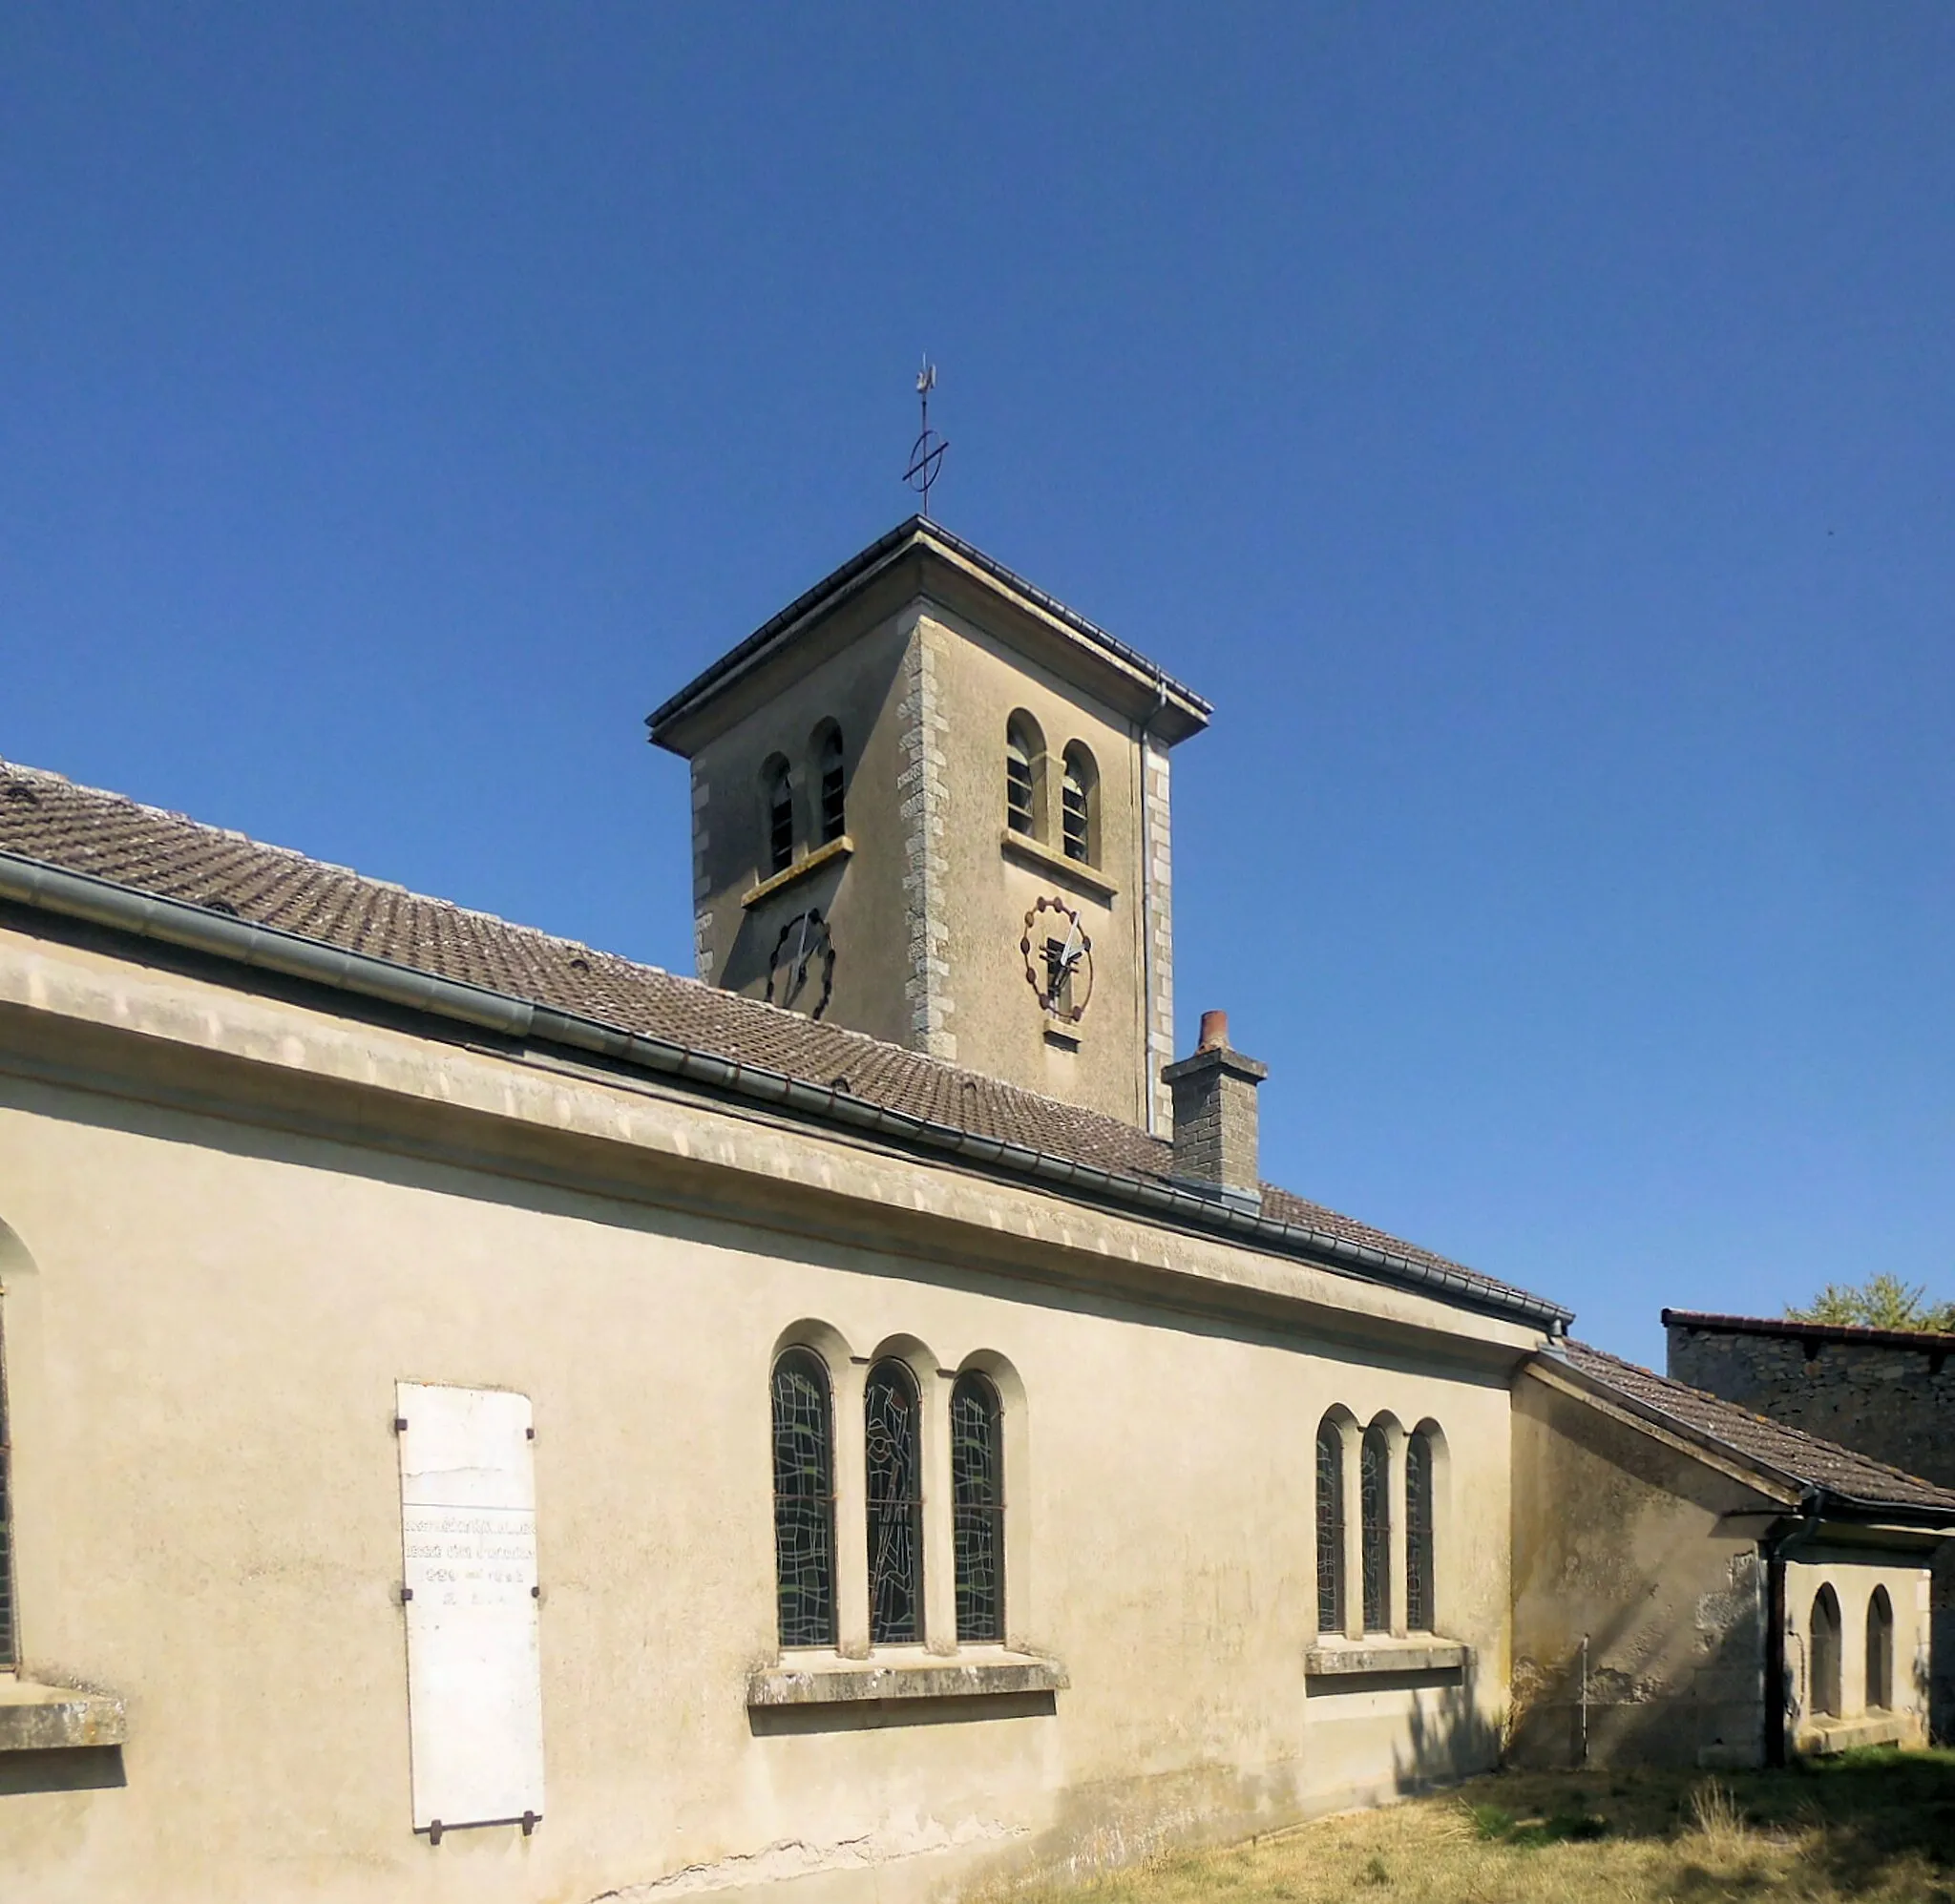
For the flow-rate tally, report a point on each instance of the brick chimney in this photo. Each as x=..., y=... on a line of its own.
x=1216, y=1117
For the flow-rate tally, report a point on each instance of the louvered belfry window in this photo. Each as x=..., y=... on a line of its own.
x=1018, y=787
x=804, y=1501
x=780, y=822
x=1074, y=815
x=1419, y=1607
x=1375, y=1509
x=978, y=1507
x=896, y=1506
x=1329, y=1529
x=834, y=815
x=9, y=1650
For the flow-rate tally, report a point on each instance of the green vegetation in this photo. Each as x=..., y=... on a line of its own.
x=1874, y=1827
x=1880, y=1302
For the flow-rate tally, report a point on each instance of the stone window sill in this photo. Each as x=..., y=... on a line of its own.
x=828, y=855
x=1380, y=1653
x=827, y=1682
x=54, y=1718
x=1821, y=1737
x=1022, y=847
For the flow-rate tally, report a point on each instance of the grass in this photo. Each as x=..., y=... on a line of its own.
x=1875, y=1826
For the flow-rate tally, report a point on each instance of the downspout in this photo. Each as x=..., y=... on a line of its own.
x=1774, y=1549
x=1151, y=1085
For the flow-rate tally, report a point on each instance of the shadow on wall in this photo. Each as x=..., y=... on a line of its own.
x=75, y=1769
x=1704, y=1706
x=1449, y=1738
x=1941, y=1705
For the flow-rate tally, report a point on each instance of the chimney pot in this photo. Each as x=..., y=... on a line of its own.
x=1214, y=1031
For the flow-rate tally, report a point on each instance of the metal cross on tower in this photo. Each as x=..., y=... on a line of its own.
x=926, y=453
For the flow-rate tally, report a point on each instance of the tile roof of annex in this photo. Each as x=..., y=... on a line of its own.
x=1801, y=1457
x=47, y=820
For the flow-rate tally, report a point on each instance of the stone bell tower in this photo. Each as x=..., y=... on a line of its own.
x=931, y=802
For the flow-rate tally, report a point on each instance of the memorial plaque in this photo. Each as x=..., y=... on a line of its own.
x=468, y=1543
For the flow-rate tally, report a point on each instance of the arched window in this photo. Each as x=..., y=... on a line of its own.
x=1374, y=1528
x=896, y=1506
x=978, y=1507
x=804, y=1500
x=1024, y=770
x=1418, y=1613
x=1330, y=1528
x=1826, y=1652
x=1079, y=802
x=833, y=783
x=1879, y=1651
x=779, y=795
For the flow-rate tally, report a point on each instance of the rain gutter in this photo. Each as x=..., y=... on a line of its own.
x=198, y=929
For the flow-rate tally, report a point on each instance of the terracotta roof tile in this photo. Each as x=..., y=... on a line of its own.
x=47, y=818
x=1790, y=1451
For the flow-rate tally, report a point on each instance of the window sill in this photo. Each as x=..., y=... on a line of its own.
x=56, y=1718
x=821, y=856
x=1022, y=847
x=1820, y=1738
x=1380, y=1653
x=848, y=1681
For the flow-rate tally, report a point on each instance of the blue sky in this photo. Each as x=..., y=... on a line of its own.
x=1533, y=427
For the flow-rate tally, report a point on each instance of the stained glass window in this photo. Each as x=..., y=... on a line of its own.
x=1374, y=1527
x=978, y=1507
x=896, y=1507
x=804, y=1501
x=1418, y=1613
x=1329, y=1529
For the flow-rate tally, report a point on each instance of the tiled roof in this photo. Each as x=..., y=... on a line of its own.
x=48, y=819
x=1929, y=1341
x=922, y=531
x=1755, y=1437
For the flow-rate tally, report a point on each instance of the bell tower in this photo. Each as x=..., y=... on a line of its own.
x=931, y=802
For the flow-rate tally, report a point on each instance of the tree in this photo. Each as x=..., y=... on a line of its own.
x=1880, y=1302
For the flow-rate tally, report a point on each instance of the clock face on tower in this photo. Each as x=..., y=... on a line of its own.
x=801, y=974
x=1059, y=959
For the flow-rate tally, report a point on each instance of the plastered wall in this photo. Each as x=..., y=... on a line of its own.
x=1618, y=1538
x=1854, y=1575
x=222, y=1274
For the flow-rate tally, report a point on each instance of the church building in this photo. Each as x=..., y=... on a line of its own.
x=481, y=1418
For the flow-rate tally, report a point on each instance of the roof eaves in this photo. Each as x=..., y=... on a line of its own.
x=1554, y=1364
x=855, y=573
x=1704, y=1437
x=191, y=927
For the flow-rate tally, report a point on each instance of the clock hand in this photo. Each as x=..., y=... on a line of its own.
x=1073, y=951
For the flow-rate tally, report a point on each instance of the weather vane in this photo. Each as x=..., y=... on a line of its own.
x=926, y=453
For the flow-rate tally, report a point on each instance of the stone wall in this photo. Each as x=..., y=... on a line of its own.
x=1878, y=1390
x=1862, y=1388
